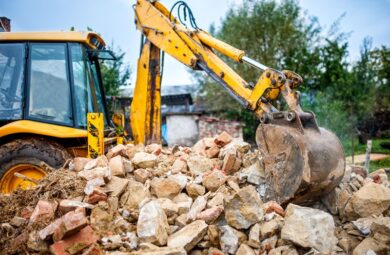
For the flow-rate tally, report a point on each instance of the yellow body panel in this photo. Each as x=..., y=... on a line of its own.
x=69, y=36
x=95, y=134
x=40, y=128
x=145, y=115
x=158, y=29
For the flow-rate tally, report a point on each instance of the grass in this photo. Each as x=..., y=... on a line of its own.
x=361, y=148
x=375, y=165
x=376, y=148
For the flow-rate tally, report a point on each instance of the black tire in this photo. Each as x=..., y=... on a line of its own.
x=31, y=151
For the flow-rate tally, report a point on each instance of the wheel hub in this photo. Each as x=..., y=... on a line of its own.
x=9, y=182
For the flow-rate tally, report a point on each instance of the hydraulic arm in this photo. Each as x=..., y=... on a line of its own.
x=302, y=161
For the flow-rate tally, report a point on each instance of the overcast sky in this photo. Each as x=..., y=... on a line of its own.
x=113, y=19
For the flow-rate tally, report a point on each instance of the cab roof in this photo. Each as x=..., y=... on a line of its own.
x=90, y=38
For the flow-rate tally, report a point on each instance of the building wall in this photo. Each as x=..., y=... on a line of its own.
x=182, y=129
x=210, y=127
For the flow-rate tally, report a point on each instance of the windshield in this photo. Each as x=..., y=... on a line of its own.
x=50, y=98
x=11, y=80
x=86, y=85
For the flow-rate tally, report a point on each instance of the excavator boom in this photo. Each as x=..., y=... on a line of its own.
x=302, y=161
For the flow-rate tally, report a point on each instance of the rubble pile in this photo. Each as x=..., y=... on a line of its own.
x=208, y=199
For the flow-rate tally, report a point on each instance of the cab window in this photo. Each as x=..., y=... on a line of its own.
x=81, y=83
x=12, y=58
x=49, y=91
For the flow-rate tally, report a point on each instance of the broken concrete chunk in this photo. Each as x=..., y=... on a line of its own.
x=165, y=187
x=284, y=250
x=213, y=180
x=245, y=250
x=67, y=205
x=198, y=164
x=210, y=215
x=98, y=172
x=152, y=224
x=216, y=200
x=170, y=208
x=254, y=236
x=198, y=206
x=371, y=199
x=117, y=167
x=144, y=160
x=35, y=243
x=78, y=163
x=92, y=184
x=189, y=236
x=119, y=149
x=253, y=174
x=244, y=209
x=100, y=161
x=195, y=190
x=179, y=166
x=44, y=211
x=181, y=179
x=183, y=203
x=142, y=175
x=310, y=228
x=134, y=194
x=117, y=186
x=18, y=221
x=161, y=251
x=230, y=239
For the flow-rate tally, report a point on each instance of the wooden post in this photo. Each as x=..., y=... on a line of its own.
x=368, y=151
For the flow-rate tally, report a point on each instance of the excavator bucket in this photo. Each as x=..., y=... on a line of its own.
x=302, y=162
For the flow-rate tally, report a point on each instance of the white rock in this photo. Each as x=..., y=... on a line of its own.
x=152, y=224
x=309, y=228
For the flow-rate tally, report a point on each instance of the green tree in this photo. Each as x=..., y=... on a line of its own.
x=115, y=73
x=277, y=34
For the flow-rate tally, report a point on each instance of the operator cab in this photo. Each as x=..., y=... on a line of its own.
x=51, y=77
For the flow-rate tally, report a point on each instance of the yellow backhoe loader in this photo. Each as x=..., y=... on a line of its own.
x=302, y=161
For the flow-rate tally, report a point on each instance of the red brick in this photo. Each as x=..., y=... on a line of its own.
x=223, y=139
x=272, y=206
x=44, y=210
x=26, y=212
x=120, y=149
x=72, y=222
x=96, y=196
x=213, y=151
x=48, y=231
x=79, y=242
x=229, y=163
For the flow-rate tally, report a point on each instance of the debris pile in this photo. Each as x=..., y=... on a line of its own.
x=206, y=199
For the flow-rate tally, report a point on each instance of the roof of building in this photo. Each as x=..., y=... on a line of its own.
x=171, y=90
x=90, y=38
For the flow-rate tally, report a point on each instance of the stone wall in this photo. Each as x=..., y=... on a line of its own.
x=211, y=126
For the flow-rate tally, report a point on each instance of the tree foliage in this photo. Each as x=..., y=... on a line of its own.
x=281, y=35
